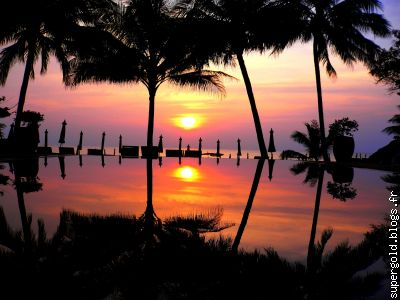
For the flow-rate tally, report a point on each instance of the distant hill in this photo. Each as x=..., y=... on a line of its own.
x=387, y=155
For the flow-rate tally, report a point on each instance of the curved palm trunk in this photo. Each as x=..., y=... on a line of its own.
x=324, y=146
x=249, y=204
x=24, y=87
x=249, y=89
x=311, y=244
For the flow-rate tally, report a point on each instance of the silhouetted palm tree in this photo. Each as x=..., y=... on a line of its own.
x=310, y=140
x=38, y=29
x=145, y=43
x=395, y=129
x=338, y=26
x=234, y=27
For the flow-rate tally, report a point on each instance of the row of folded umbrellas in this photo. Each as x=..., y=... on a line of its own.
x=61, y=141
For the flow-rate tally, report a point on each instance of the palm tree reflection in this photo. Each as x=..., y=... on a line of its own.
x=246, y=213
x=26, y=181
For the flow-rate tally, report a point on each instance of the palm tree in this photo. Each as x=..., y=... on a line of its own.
x=394, y=129
x=39, y=29
x=338, y=26
x=145, y=43
x=310, y=140
x=234, y=27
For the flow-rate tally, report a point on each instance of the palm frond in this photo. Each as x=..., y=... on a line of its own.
x=202, y=80
x=395, y=130
x=8, y=57
x=199, y=222
x=301, y=138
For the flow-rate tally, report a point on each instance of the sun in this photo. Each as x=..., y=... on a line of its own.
x=188, y=122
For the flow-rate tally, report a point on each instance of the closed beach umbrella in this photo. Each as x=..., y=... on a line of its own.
x=271, y=163
x=160, y=145
x=200, y=146
x=80, y=160
x=62, y=166
x=102, y=142
x=271, y=146
x=79, y=148
x=120, y=143
x=46, y=133
x=62, y=133
x=239, y=153
x=218, y=150
x=180, y=146
x=11, y=133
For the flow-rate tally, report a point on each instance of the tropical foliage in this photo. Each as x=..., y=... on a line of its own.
x=33, y=30
x=386, y=68
x=311, y=140
x=394, y=129
x=236, y=27
x=4, y=113
x=338, y=27
x=103, y=257
x=146, y=43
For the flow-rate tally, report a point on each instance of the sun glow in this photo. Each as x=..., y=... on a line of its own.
x=188, y=174
x=187, y=122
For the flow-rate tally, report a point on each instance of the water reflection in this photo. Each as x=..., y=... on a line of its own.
x=281, y=212
x=246, y=213
x=163, y=252
x=187, y=173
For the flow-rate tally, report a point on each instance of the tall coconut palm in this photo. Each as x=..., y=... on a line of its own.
x=145, y=43
x=39, y=29
x=234, y=27
x=338, y=26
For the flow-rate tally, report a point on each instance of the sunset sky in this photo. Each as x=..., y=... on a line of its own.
x=284, y=89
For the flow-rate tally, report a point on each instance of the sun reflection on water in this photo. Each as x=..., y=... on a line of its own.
x=187, y=173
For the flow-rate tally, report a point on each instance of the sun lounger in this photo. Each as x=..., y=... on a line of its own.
x=173, y=153
x=146, y=153
x=130, y=151
x=66, y=150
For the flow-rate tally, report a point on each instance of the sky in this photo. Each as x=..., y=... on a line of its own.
x=284, y=88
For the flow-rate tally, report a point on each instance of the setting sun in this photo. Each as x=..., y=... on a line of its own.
x=188, y=122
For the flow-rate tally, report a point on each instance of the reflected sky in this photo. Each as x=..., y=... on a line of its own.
x=281, y=214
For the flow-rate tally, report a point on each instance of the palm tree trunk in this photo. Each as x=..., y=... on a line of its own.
x=249, y=89
x=26, y=228
x=149, y=213
x=24, y=87
x=324, y=146
x=249, y=204
x=150, y=125
x=311, y=244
